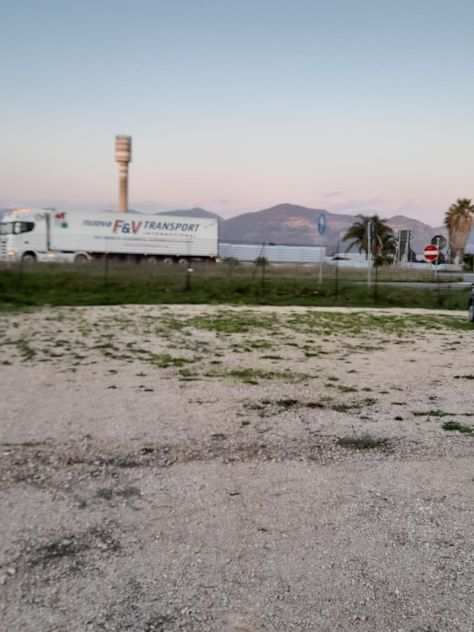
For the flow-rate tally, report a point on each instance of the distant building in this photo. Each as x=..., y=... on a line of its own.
x=469, y=250
x=273, y=253
x=404, y=252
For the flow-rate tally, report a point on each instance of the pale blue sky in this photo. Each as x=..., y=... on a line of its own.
x=346, y=105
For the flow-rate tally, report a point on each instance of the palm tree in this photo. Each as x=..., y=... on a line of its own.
x=459, y=219
x=382, y=240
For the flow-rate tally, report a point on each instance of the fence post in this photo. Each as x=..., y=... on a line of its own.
x=187, y=286
x=438, y=292
x=264, y=263
x=376, y=287
x=106, y=269
x=20, y=271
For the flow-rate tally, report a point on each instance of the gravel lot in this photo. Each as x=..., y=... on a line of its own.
x=236, y=469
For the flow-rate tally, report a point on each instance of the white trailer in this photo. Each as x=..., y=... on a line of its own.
x=48, y=235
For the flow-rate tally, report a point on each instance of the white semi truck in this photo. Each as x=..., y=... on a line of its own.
x=50, y=235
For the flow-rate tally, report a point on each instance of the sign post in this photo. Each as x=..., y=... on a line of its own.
x=437, y=259
x=321, y=231
x=440, y=241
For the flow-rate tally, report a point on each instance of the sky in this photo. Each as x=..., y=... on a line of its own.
x=346, y=105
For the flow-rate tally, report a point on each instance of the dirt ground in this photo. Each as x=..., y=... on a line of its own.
x=236, y=469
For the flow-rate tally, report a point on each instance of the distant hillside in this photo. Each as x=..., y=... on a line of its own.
x=292, y=224
x=284, y=224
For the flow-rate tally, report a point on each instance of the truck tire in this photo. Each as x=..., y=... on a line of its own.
x=81, y=259
x=470, y=313
x=28, y=257
x=168, y=261
x=152, y=260
x=183, y=262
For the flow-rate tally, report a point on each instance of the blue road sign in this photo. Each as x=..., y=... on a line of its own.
x=322, y=224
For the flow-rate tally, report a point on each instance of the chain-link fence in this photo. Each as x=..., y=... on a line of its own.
x=107, y=281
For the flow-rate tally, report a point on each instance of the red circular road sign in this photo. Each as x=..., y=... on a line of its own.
x=431, y=253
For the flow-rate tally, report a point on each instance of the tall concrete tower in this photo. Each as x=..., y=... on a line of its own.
x=123, y=155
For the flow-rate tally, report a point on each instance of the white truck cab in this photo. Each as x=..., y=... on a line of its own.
x=25, y=236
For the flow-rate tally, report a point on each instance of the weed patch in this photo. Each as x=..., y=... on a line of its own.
x=253, y=376
x=431, y=413
x=72, y=546
x=456, y=426
x=165, y=360
x=108, y=493
x=355, y=406
x=234, y=323
x=363, y=442
x=26, y=352
x=287, y=403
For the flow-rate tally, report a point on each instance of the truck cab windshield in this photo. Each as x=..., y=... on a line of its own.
x=15, y=228
x=6, y=228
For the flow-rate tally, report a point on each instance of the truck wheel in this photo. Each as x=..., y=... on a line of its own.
x=29, y=257
x=183, y=262
x=152, y=260
x=168, y=261
x=80, y=259
x=471, y=313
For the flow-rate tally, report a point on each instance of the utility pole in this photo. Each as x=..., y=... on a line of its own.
x=437, y=259
x=369, y=253
x=321, y=231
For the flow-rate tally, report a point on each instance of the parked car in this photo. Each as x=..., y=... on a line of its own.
x=471, y=305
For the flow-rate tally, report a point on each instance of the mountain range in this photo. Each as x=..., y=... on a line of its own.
x=298, y=225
